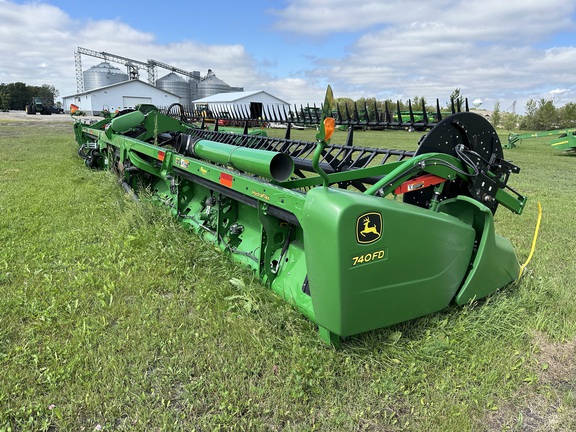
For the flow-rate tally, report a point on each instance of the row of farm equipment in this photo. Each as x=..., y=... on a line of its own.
x=355, y=115
x=356, y=238
x=365, y=115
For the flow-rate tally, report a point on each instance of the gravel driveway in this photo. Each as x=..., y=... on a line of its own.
x=21, y=116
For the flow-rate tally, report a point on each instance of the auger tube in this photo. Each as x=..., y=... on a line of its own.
x=272, y=165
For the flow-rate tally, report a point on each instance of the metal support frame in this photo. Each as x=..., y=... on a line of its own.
x=79, y=75
x=133, y=66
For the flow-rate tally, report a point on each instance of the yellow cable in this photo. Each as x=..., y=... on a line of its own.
x=533, y=241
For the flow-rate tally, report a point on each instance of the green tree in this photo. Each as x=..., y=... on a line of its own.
x=527, y=122
x=48, y=93
x=567, y=115
x=418, y=102
x=4, y=97
x=345, y=105
x=387, y=104
x=16, y=95
x=546, y=116
x=496, y=116
x=366, y=104
x=456, y=98
x=510, y=120
x=399, y=104
x=19, y=94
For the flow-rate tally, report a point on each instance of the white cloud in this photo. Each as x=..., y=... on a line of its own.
x=38, y=41
x=320, y=17
x=480, y=19
x=487, y=48
x=295, y=90
x=490, y=49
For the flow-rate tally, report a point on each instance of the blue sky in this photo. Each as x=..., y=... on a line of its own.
x=493, y=50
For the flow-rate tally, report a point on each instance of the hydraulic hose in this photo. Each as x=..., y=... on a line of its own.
x=523, y=266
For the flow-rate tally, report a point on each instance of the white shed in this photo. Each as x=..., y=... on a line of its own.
x=120, y=96
x=253, y=102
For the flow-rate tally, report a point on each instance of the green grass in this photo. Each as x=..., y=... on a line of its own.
x=111, y=314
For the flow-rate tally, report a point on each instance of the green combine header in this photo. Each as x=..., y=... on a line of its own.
x=356, y=238
x=561, y=143
x=566, y=141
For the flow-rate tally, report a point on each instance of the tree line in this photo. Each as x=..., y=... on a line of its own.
x=15, y=96
x=540, y=115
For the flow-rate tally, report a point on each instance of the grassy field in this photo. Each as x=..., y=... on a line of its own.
x=112, y=317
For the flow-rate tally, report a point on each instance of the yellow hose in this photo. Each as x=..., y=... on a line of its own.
x=533, y=241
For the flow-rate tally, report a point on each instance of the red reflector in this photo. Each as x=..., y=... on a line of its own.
x=226, y=179
x=161, y=155
x=418, y=183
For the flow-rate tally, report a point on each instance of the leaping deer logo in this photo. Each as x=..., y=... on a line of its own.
x=369, y=227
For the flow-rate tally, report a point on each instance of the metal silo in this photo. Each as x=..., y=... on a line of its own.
x=211, y=85
x=193, y=84
x=174, y=83
x=101, y=75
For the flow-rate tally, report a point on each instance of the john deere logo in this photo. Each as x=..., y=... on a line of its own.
x=368, y=227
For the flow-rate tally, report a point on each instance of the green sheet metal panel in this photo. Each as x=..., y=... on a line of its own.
x=373, y=262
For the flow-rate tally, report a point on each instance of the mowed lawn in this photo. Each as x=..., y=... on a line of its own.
x=113, y=317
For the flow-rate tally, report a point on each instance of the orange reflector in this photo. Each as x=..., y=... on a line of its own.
x=73, y=108
x=161, y=155
x=418, y=183
x=226, y=179
x=329, y=125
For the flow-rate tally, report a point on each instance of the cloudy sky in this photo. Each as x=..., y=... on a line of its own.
x=493, y=50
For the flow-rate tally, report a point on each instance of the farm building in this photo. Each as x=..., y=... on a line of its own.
x=119, y=96
x=251, y=102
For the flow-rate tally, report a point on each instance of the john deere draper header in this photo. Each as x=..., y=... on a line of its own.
x=315, y=220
